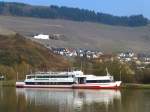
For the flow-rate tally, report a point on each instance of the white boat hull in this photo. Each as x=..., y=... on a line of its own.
x=112, y=85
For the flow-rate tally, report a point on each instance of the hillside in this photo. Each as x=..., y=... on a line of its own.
x=67, y=13
x=82, y=34
x=18, y=54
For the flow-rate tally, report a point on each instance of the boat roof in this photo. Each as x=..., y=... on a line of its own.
x=77, y=73
x=93, y=77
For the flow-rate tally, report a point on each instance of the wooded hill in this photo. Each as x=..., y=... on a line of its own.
x=19, y=55
x=75, y=14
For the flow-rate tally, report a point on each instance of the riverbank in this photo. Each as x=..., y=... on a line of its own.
x=8, y=83
x=135, y=86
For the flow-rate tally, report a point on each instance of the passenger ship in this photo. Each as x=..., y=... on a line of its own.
x=74, y=80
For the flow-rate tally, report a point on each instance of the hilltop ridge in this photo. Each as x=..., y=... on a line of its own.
x=67, y=13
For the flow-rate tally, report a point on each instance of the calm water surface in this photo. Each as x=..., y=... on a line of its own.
x=68, y=100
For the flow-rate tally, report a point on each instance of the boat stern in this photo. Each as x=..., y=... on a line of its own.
x=118, y=83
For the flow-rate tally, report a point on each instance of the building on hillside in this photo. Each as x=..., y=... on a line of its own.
x=126, y=56
x=144, y=58
x=77, y=52
x=41, y=36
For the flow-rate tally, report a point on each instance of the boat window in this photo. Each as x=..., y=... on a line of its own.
x=52, y=76
x=59, y=76
x=30, y=77
x=42, y=76
x=98, y=81
x=49, y=83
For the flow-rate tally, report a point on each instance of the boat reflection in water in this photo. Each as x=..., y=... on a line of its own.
x=68, y=99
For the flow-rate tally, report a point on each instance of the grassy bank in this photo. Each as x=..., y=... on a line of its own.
x=8, y=83
x=135, y=86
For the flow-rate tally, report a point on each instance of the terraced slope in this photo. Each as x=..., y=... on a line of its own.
x=82, y=34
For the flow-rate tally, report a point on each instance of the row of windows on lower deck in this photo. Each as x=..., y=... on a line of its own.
x=49, y=83
x=98, y=81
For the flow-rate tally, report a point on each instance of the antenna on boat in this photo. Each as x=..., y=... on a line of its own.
x=108, y=74
x=81, y=66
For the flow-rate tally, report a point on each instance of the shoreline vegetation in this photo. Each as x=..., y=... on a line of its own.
x=135, y=86
x=11, y=83
x=28, y=57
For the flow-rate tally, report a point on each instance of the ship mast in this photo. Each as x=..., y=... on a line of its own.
x=108, y=74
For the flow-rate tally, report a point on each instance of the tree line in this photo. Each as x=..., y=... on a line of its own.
x=126, y=72
x=75, y=14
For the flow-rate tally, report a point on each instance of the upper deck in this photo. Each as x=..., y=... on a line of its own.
x=55, y=74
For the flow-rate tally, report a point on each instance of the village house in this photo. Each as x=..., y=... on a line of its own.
x=144, y=58
x=126, y=56
x=72, y=52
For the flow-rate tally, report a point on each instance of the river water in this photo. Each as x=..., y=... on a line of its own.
x=69, y=100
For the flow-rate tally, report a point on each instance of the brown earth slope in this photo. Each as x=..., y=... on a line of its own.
x=18, y=54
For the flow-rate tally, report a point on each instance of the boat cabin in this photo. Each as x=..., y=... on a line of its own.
x=99, y=79
x=65, y=78
x=56, y=78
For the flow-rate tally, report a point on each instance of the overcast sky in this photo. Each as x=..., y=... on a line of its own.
x=115, y=7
